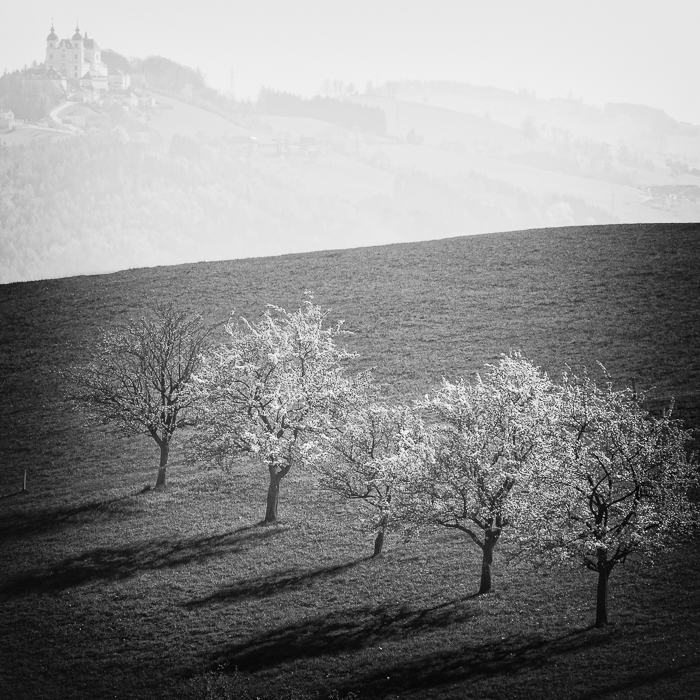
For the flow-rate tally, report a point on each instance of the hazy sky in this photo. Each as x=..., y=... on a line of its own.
x=643, y=51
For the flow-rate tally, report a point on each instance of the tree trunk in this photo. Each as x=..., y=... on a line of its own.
x=486, y=562
x=601, y=612
x=490, y=540
x=164, y=450
x=379, y=540
x=273, y=493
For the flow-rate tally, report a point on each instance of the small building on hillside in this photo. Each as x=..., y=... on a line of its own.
x=119, y=80
x=6, y=117
x=92, y=80
x=8, y=120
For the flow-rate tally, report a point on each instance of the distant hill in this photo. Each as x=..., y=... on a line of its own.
x=97, y=572
x=103, y=202
x=405, y=161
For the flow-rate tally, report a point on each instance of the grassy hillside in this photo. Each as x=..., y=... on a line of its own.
x=109, y=591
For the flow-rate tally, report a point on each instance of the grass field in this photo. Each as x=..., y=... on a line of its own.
x=107, y=590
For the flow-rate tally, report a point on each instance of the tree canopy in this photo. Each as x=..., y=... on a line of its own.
x=620, y=482
x=139, y=378
x=271, y=390
x=371, y=457
x=490, y=438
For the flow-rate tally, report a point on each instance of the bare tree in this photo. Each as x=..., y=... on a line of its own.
x=139, y=378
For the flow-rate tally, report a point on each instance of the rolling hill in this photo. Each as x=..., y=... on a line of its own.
x=625, y=296
x=111, y=590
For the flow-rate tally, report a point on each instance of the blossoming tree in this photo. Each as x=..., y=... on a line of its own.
x=620, y=483
x=272, y=390
x=372, y=457
x=490, y=437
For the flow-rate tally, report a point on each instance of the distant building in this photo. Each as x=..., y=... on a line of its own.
x=79, y=61
x=119, y=80
x=7, y=119
x=75, y=57
x=94, y=81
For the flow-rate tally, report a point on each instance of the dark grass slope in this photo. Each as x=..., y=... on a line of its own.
x=107, y=591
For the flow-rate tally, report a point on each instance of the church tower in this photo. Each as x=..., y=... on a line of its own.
x=78, y=54
x=78, y=59
x=51, y=45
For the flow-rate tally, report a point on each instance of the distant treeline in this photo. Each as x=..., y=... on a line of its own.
x=452, y=87
x=190, y=84
x=169, y=76
x=345, y=113
x=160, y=72
x=25, y=104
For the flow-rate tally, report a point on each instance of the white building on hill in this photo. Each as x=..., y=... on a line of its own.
x=77, y=59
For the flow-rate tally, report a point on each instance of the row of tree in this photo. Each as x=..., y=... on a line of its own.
x=572, y=469
x=345, y=113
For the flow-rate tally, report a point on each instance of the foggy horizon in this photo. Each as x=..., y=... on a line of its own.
x=599, y=53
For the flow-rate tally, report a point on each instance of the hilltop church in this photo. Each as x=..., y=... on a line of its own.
x=79, y=61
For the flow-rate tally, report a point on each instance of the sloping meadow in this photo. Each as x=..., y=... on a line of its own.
x=110, y=590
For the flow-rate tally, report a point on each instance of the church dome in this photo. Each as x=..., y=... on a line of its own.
x=52, y=36
x=77, y=36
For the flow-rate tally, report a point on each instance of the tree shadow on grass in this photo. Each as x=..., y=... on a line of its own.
x=473, y=662
x=351, y=631
x=33, y=522
x=109, y=564
x=339, y=631
x=641, y=680
x=272, y=584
